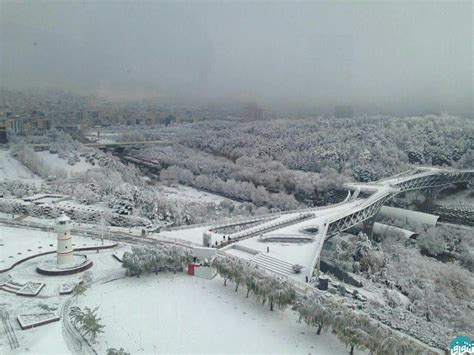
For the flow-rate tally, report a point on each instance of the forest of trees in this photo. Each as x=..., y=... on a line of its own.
x=269, y=166
x=416, y=286
x=307, y=161
x=364, y=148
x=259, y=181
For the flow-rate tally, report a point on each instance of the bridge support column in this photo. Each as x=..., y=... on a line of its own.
x=430, y=195
x=368, y=226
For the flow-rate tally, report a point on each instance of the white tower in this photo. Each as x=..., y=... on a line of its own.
x=63, y=230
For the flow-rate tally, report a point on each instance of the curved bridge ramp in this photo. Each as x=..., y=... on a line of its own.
x=432, y=177
x=419, y=179
x=383, y=190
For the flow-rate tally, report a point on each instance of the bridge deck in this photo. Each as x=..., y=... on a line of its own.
x=353, y=212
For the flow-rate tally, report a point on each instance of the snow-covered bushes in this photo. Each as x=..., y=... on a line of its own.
x=467, y=259
x=86, y=195
x=16, y=188
x=13, y=205
x=155, y=259
x=430, y=242
x=145, y=201
x=114, y=351
x=392, y=298
x=356, y=254
x=436, y=291
x=444, y=290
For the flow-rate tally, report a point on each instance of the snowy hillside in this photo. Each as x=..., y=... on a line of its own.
x=55, y=162
x=12, y=169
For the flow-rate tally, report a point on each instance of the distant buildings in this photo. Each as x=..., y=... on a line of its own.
x=15, y=124
x=35, y=113
x=79, y=116
x=41, y=124
x=3, y=133
x=28, y=125
x=35, y=123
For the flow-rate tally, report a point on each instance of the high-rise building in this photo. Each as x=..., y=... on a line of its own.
x=16, y=124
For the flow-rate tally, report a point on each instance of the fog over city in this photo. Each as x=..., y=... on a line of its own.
x=380, y=57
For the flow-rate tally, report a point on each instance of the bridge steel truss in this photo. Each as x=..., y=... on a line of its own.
x=363, y=214
x=434, y=179
x=420, y=181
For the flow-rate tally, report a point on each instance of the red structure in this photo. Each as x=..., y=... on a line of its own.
x=191, y=268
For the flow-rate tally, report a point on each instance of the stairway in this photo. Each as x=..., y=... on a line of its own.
x=273, y=264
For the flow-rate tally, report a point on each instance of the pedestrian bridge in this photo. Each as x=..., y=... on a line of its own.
x=338, y=218
x=385, y=189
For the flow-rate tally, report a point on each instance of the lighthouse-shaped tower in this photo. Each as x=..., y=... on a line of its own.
x=65, y=252
x=66, y=262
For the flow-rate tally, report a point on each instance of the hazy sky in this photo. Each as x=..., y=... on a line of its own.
x=400, y=56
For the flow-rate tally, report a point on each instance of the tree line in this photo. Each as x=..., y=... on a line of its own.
x=352, y=328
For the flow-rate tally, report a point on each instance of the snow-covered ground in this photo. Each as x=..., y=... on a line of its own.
x=193, y=234
x=189, y=194
x=12, y=169
x=19, y=243
x=48, y=339
x=183, y=314
x=172, y=313
x=55, y=162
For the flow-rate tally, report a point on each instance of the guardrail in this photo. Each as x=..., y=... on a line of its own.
x=319, y=249
x=238, y=222
x=258, y=229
